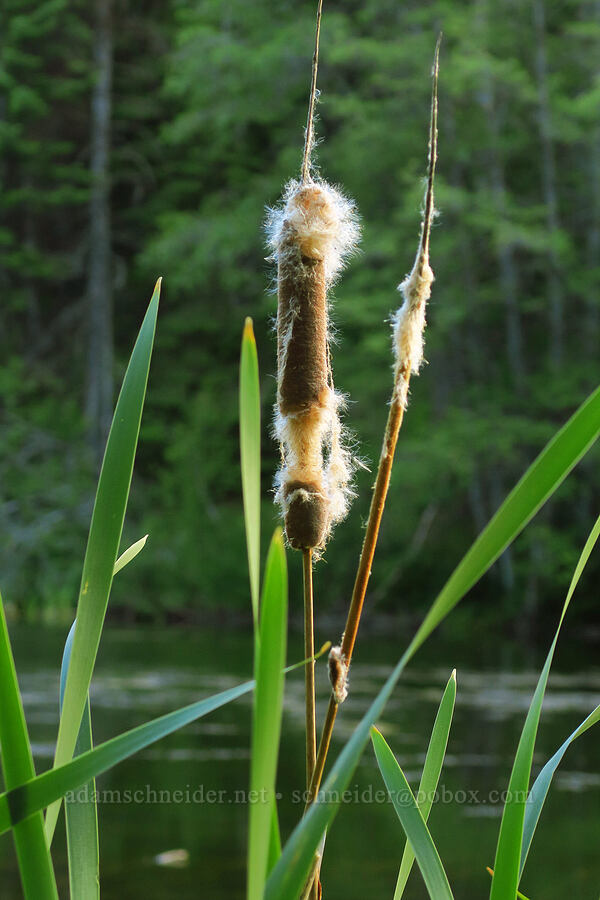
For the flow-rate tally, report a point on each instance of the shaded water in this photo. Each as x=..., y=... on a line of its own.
x=188, y=791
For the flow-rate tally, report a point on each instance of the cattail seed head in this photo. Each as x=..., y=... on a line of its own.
x=338, y=674
x=408, y=323
x=310, y=236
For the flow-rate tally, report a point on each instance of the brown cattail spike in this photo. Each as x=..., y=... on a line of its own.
x=310, y=235
x=302, y=303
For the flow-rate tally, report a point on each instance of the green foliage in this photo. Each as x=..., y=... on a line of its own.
x=412, y=821
x=266, y=720
x=103, y=542
x=432, y=768
x=81, y=812
x=35, y=865
x=511, y=847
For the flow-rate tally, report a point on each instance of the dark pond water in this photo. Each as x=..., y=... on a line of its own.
x=143, y=673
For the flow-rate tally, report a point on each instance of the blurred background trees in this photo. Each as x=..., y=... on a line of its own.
x=167, y=171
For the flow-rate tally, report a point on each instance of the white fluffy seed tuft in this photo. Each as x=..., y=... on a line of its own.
x=324, y=221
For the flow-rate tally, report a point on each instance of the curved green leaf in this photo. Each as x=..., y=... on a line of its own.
x=510, y=839
x=103, y=541
x=538, y=483
x=541, y=786
x=432, y=768
x=412, y=821
x=21, y=802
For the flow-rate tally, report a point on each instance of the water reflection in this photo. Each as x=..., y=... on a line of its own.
x=142, y=674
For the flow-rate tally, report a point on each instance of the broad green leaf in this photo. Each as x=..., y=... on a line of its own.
x=542, y=478
x=81, y=813
x=129, y=554
x=37, y=793
x=250, y=457
x=538, y=483
x=434, y=761
x=412, y=820
x=33, y=855
x=103, y=542
x=510, y=839
x=541, y=786
x=266, y=722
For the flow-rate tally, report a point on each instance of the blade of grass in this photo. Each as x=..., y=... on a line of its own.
x=33, y=855
x=510, y=839
x=36, y=793
x=103, y=542
x=541, y=786
x=412, y=821
x=434, y=761
x=542, y=478
x=81, y=813
x=266, y=723
x=250, y=457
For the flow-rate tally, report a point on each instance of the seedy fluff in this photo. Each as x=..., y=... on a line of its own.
x=408, y=323
x=310, y=235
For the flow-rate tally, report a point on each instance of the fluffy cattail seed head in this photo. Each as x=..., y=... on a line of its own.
x=310, y=236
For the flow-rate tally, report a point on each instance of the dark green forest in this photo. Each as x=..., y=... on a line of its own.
x=146, y=139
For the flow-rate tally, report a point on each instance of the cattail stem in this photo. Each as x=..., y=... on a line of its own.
x=309, y=670
x=309, y=136
x=384, y=471
x=415, y=290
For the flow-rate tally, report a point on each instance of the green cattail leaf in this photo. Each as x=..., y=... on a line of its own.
x=34, y=794
x=81, y=813
x=250, y=457
x=103, y=542
x=510, y=839
x=412, y=820
x=129, y=554
x=434, y=761
x=35, y=864
x=541, y=786
x=266, y=722
x=539, y=482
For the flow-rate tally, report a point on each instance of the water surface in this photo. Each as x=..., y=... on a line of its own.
x=188, y=793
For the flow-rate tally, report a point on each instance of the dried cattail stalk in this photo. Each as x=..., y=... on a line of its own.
x=311, y=235
x=409, y=320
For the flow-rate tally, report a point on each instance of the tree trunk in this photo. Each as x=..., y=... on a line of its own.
x=555, y=291
x=99, y=397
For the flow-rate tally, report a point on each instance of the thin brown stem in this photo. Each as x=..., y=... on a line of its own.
x=395, y=418
x=309, y=135
x=309, y=683
x=309, y=669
